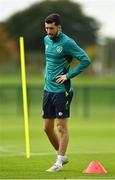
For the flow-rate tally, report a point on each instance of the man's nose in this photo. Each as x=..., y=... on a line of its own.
x=48, y=31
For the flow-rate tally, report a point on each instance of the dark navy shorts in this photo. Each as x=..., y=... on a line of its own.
x=56, y=105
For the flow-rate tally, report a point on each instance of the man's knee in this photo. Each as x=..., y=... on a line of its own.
x=62, y=128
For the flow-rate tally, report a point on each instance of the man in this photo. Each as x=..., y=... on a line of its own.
x=58, y=93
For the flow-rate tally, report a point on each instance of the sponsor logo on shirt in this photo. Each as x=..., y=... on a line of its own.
x=59, y=49
x=46, y=46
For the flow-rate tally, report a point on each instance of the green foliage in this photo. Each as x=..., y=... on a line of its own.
x=8, y=48
x=30, y=23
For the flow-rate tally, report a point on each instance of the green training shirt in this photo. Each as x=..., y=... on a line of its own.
x=56, y=52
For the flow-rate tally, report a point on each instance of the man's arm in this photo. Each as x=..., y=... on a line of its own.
x=74, y=50
x=78, y=69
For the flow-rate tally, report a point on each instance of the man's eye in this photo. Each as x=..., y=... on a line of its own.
x=49, y=28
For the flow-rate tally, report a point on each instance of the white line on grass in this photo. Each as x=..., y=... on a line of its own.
x=11, y=153
x=72, y=179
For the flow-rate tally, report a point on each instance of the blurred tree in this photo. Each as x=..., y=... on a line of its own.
x=30, y=23
x=91, y=51
x=110, y=53
x=8, y=47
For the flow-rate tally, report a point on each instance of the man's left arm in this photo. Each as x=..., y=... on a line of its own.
x=80, y=55
x=72, y=49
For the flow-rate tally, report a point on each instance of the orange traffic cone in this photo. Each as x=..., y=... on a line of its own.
x=95, y=167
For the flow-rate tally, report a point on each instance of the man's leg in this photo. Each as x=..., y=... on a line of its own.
x=64, y=135
x=49, y=129
x=63, y=142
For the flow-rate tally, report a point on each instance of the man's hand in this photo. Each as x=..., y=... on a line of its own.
x=61, y=79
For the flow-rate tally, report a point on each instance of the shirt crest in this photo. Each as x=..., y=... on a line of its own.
x=59, y=49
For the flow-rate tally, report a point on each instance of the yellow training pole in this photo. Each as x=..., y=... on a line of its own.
x=24, y=92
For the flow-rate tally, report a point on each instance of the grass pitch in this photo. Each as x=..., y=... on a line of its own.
x=91, y=129
x=89, y=140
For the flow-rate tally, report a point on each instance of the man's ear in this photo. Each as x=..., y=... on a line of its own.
x=59, y=28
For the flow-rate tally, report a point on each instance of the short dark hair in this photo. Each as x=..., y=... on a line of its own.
x=53, y=18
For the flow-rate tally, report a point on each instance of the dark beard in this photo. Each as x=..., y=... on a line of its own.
x=55, y=37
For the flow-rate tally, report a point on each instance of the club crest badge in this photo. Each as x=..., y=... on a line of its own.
x=59, y=49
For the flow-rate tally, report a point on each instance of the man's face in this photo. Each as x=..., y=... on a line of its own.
x=52, y=30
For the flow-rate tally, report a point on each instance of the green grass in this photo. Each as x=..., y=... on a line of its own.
x=91, y=129
x=89, y=140
x=34, y=168
x=39, y=80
